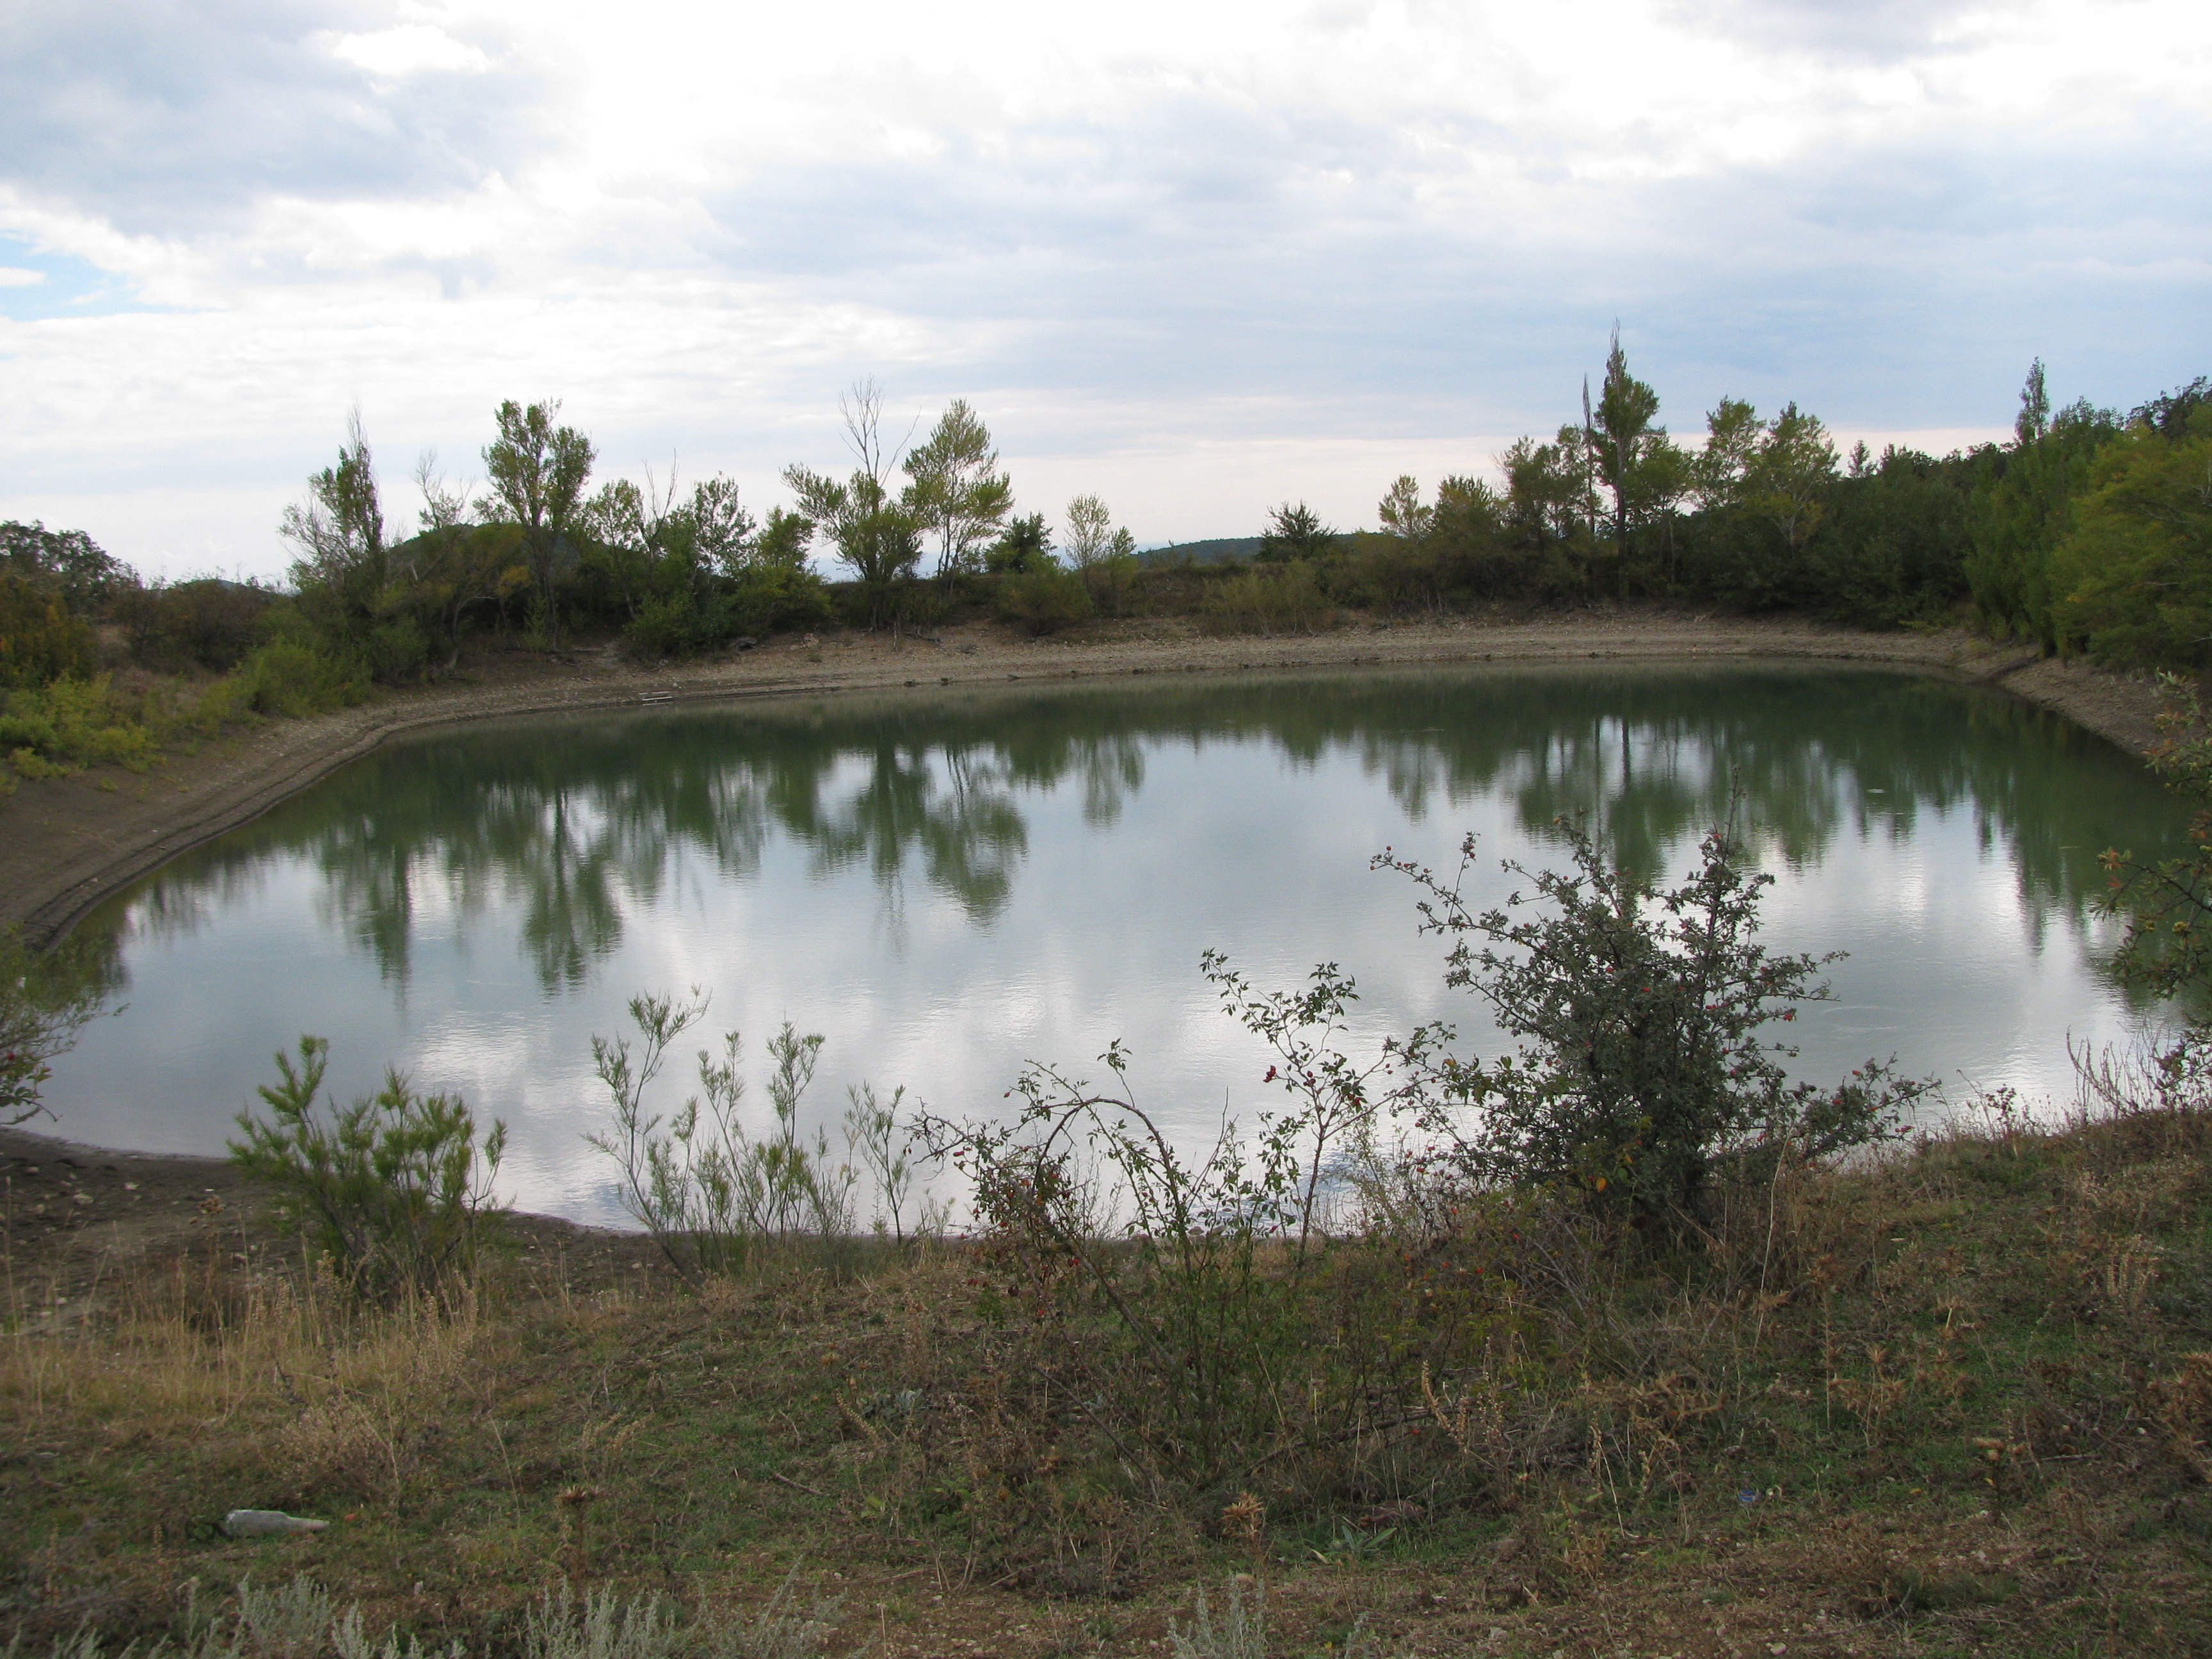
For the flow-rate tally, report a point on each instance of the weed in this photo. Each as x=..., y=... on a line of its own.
x=1242, y=1634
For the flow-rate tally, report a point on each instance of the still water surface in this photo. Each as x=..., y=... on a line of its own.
x=948, y=887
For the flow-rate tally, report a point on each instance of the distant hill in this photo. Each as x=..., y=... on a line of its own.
x=1213, y=551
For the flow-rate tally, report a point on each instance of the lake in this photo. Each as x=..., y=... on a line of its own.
x=948, y=885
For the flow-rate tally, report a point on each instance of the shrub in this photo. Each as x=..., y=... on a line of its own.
x=395, y=1189
x=1279, y=598
x=769, y=598
x=397, y=651
x=40, y=641
x=670, y=625
x=1644, y=1068
x=206, y=622
x=1044, y=601
x=297, y=677
x=1112, y=583
x=707, y=1193
x=75, y=720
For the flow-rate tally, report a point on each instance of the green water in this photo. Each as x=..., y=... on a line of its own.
x=947, y=886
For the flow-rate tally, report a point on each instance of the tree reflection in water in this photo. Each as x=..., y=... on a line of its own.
x=578, y=820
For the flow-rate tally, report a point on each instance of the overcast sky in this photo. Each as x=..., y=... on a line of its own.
x=1197, y=259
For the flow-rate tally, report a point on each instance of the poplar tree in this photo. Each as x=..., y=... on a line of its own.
x=537, y=471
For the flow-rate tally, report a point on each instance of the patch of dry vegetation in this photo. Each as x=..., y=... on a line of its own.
x=1957, y=1398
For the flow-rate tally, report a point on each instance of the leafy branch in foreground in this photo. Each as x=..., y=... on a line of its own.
x=396, y=1188
x=1642, y=1069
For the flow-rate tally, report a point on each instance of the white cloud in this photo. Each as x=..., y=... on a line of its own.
x=16, y=277
x=410, y=49
x=1211, y=253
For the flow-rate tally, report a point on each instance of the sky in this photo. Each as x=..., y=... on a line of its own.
x=1195, y=259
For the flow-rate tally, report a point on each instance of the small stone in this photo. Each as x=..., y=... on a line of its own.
x=259, y=1523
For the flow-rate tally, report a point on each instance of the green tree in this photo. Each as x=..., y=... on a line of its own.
x=68, y=562
x=1401, y=512
x=1093, y=537
x=2023, y=507
x=396, y=1189
x=1788, y=480
x=537, y=471
x=1547, y=510
x=876, y=536
x=654, y=545
x=1024, y=548
x=1716, y=474
x=1295, y=531
x=2134, y=572
x=1630, y=455
x=339, y=528
x=782, y=541
x=955, y=490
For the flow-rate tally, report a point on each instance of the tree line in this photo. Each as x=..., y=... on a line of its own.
x=2089, y=532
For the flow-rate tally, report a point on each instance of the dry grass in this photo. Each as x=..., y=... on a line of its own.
x=1959, y=1398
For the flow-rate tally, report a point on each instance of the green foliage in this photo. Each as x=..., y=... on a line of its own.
x=537, y=471
x=1643, y=1072
x=1279, y=598
x=761, y=598
x=876, y=536
x=1295, y=531
x=339, y=528
x=1044, y=601
x=710, y=1195
x=955, y=490
x=1024, y=547
x=203, y=623
x=40, y=641
x=67, y=563
x=1631, y=457
x=2167, y=906
x=782, y=541
x=2023, y=508
x=2134, y=572
x=295, y=673
x=46, y=1000
x=394, y=1189
x=72, y=722
x=1892, y=546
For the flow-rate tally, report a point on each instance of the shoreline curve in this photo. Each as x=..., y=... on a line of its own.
x=67, y=844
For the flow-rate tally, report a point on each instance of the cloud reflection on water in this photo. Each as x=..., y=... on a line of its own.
x=951, y=885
